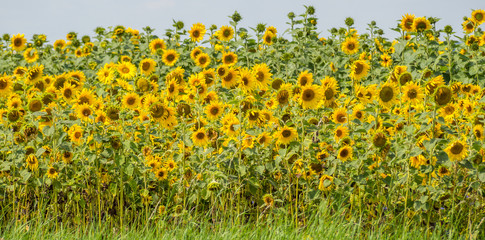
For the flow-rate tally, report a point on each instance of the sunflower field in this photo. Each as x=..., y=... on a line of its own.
x=129, y=128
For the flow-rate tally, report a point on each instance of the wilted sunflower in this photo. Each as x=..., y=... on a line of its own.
x=226, y=33
x=214, y=110
x=229, y=58
x=359, y=69
x=443, y=171
x=443, y=96
x=326, y=183
x=18, y=42
x=350, y=45
x=387, y=95
x=380, y=139
x=412, y=94
x=340, y=116
x=131, y=101
x=407, y=22
x=170, y=57
x=286, y=135
x=156, y=45
x=197, y=32
x=457, y=150
x=434, y=83
x=35, y=105
x=311, y=95
x=345, y=153
x=284, y=94
x=147, y=66
x=421, y=24
x=268, y=200
x=32, y=162
x=200, y=138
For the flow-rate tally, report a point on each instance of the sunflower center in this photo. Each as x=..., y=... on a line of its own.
x=479, y=16
x=17, y=42
x=344, y=153
x=170, y=57
x=3, y=84
x=202, y=60
x=245, y=81
x=200, y=135
x=386, y=94
x=52, y=171
x=253, y=116
x=214, y=110
x=145, y=66
x=283, y=97
x=77, y=135
x=286, y=133
x=339, y=133
x=412, y=94
x=329, y=94
x=86, y=112
x=443, y=96
x=358, y=114
x=196, y=33
x=359, y=68
x=67, y=93
x=341, y=118
x=260, y=76
x=226, y=33
x=228, y=78
x=125, y=70
x=457, y=148
x=351, y=46
x=130, y=101
x=308, y=95
x=303, y=81
x=228, y=59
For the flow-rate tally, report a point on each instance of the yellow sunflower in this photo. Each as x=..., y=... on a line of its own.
x=156, y=45
x=311, y=95
x=75, y=134
x=225, y=33
x=214, y=110
x=412, y=93
x=268, y=38
x=161, y=174
x=247, y=80
x=203, y=60
x=286, y=135
x=457, y=150
x=18, y=42
x=345, y=153
x=147, y=66
x=387, y=95
x=326, y=183
x=263, y=75
x=350, y=45
x=230, y=79
x=478, y=16
x=170, y=57
x=478, y=131
x=84, y=111
x=131, y=101
x=407, y=22
x=340, y=133
x=126, y=70
x=52, y=173
x=359, y=69
x=305, y=78
x=31, y=55
x=340, y=116
x=197, y=32
x=32, y=162
x=200, y=138
x=5, y=85
x=421, y=24
x=229, y=58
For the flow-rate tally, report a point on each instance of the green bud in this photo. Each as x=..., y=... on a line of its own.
x=448, y=29
x=291, y=15
x=261, y=27
x=236, y=17
x=310, y=10
x=6, y=37
x=179, y=25
x=86, y=39
x=349, y=21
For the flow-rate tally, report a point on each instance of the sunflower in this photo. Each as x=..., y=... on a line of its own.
x=156, y=45
x=325, y=183
x=387, y=95
x=340, y=116
x=197, y=32
x=457, y=150
x=263, y=75
x=225, y=33
x=418, y=161
x=305, y=78
x=31, y=55
x=32, y=162
x=172, y=89
x=131, y=101
x=18, y=42
x=247, y=80
x=433, y=84
x=358, y=112
x=310, y=97
x=478, y=131
x=421, y=24
x=268, y=38
x=35, y=105
x=52, y=173
x=350, y=45
x=407, y=22
x=264, y=139
x=284, y=94
x=214, y=110
x=286, y=135
x=345, y=153
x=230, y=79
x=60, y=44
x=340, y=133
x=448, y=112
x=412, y=94
x=386, y=60
x=126, y=70
x=222, y=71
x=34, y=74
x=170, y=57
x=268, y=200
x=202, y=60
x=84, y=111
x=200, y=138
x=161, y=174
x=478, y=16
x=85, y=97
x=75, y=133
x=147, y=66
x=5, y=85
x=359, y=69
x=443, y=171
x=229, y=58
x=442, y=96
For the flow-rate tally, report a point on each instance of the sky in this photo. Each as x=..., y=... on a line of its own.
x=56, y=18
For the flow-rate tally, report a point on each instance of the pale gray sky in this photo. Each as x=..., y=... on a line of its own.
x=55, y=18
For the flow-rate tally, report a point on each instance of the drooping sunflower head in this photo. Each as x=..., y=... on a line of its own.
x=113, y=113
x=379, y=140
x=404, y=78
x=35, y=105
x=268, y=200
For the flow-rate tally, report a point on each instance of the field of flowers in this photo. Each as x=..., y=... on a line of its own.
x=246, y=124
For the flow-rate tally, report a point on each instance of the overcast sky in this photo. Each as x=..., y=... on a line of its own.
x=55, y=18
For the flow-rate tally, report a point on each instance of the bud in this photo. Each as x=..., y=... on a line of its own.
x=342, y=31
x=100, y=30
x=349, y=21
x=6, y=37
x=432, y=20
x=475, y=46
x=213, y=27
x=373, y=23
x=236, y=17
x=380, y=32
x=310, y=10
x=261, y=27
x=86, y=39
x=333, y=31
x=179, y=25
x=291, y=15
x=448, y=29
